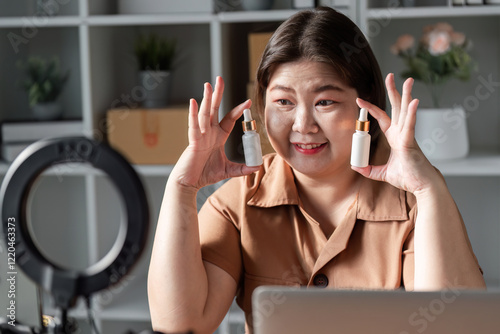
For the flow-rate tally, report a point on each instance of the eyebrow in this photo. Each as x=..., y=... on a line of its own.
x=316, y=90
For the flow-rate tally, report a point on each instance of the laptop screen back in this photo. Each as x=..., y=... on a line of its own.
x=301, y=311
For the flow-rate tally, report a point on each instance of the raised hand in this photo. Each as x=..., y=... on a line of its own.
x=407, y=167
x=204, y=161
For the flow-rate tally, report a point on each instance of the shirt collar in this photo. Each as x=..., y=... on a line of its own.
x=376, y=201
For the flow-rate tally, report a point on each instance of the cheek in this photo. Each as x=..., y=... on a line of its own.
x=277, y=124
x=347, y=125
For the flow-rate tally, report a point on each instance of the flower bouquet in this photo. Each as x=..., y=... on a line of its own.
x=441, y=54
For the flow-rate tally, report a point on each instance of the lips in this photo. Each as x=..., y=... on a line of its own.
x=309, y=148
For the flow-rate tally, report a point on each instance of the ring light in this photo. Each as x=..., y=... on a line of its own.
x=65, y=285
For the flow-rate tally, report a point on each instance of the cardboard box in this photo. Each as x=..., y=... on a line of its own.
x=256, y=44
x=149, y=136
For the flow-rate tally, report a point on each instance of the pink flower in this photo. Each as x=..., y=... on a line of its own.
x=457, y=38
x=443, y=26
x=439, y=42
x=403, y=43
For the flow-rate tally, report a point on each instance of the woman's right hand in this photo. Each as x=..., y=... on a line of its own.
x=204, y=161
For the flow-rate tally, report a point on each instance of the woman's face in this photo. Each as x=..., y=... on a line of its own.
x=310, y=117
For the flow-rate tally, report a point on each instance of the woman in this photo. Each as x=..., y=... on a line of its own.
x=306, y=217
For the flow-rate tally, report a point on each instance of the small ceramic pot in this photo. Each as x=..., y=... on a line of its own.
x=47, y=111
x=442, y=133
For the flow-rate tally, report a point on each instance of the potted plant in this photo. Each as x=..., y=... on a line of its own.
x=441, y=54
x=155, y=57
x=44, y=84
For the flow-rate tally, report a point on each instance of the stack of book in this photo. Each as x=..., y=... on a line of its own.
x=16, y=136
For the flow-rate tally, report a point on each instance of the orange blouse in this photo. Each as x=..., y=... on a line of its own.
x=255, y=228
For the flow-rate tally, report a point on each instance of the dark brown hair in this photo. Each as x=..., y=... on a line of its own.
x=327, y=36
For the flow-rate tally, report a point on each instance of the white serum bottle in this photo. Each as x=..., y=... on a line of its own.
x=251, y=140
x=360, y=152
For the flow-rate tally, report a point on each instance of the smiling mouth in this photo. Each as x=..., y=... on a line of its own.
x=308, y=146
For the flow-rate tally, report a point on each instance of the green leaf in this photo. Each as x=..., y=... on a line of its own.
x=44, y=82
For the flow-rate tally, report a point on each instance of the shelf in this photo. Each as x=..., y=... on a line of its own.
x=154, y=170
x=427, y=12
x=40, y=22
x=256, y=16
x=162, y=19
x=82, y=170
x=476, y=164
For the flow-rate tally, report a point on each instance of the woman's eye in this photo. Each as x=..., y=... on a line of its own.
x=283, y=102
x=325, y=103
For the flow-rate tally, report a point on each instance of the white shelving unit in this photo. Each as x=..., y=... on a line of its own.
x=96, y=43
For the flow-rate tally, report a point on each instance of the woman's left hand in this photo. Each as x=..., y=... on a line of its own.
x=407, y=167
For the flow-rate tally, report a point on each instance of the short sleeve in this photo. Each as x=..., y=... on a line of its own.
x=219, y=237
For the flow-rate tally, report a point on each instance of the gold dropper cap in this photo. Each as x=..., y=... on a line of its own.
x=363, y=124
x=249, y=124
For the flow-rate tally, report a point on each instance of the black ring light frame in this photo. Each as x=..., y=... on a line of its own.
x=66, y=285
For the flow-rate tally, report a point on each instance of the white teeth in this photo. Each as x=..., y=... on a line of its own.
x=308, y=147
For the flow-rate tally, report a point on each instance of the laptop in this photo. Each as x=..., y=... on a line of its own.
x=319, y=311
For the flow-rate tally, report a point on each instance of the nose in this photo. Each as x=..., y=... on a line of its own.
x=304, y=121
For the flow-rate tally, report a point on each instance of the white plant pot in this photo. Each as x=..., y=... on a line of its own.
x=47, y=111
x=442, y=133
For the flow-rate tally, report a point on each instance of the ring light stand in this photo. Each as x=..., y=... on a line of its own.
x=64, y=284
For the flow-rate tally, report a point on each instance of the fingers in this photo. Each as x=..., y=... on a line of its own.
x=394, y=97
x=216, y=100
x=208, y=113
x=193, y=115
x=228, y=121
x=205, y=108
x=376, y=173
x=382, y=118
x=236, y=169
x=405, y=101
x=411, y=119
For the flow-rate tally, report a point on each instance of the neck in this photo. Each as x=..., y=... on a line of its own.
x=327, y=199
x=340, y=185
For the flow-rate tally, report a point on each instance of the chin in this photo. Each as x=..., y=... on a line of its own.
x=308, y=165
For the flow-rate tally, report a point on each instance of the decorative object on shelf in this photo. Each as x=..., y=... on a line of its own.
x=149, y=137
x=441, y=54
x=44, y=84
x=155, y=56
x=257, y=4
x=442, y=133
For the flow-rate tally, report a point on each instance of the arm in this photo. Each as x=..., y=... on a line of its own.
x=443, y=255
x=184, y=292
